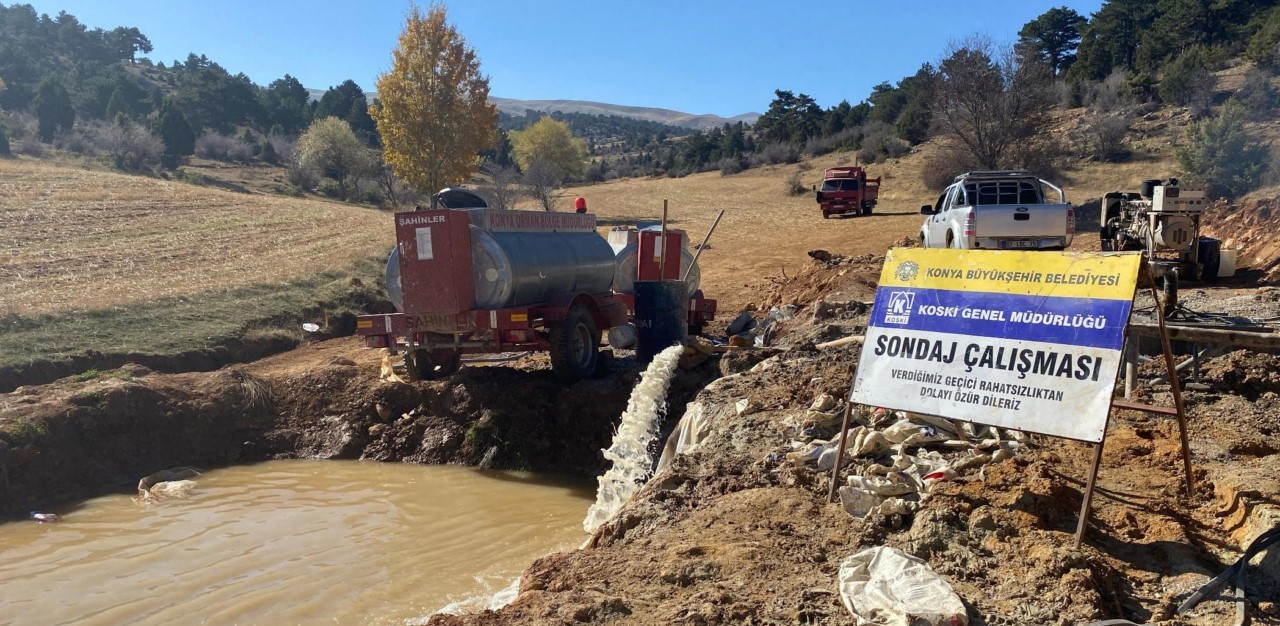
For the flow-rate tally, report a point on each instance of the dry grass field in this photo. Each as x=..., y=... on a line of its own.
x=766, y=232
x=73, y=239
x=98, y=262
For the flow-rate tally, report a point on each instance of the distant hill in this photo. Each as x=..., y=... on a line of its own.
x=669, y=117
x=662, y=116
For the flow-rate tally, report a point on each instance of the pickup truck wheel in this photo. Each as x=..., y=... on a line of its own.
x=418, y=365
x=952, y=242
x=575, y=346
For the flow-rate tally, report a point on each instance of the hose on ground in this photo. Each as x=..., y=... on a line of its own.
x=1236, y=571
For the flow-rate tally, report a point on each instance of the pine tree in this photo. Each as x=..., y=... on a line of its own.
x=1053, y=37
x=54, y=113
x=175, y=131
x=4, y=143
x=269, y=152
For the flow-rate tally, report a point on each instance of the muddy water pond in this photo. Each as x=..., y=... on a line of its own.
x=288, y=542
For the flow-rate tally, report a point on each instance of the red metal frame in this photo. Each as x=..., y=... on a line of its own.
x=649, y=256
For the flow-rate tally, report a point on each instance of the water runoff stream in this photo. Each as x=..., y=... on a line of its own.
x=338, y=542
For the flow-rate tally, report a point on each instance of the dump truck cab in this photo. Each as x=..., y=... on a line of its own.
x=847, y=190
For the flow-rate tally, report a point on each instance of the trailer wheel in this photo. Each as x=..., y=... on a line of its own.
x=575, y=346
x=418, y=365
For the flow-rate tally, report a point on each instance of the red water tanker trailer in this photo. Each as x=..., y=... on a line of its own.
x=847, y=190
x=487, y=281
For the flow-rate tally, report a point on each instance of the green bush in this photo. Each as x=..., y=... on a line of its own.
x=332, y=189
x=1186, y=81
x=1264, y=46
x=795, y=186
x=1257, y=95
x=1220, y=153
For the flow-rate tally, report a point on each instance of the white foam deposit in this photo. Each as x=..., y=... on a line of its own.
x=632, y=463
x=488, y=600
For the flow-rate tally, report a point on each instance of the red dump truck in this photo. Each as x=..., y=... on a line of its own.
x=474, y=280
x=847, y=190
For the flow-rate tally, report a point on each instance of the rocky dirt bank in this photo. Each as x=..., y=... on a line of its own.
x=738, y=531
x=102, y=431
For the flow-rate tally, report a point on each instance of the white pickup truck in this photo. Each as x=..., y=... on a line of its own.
x=998, y=211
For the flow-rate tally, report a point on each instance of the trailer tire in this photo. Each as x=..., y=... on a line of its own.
x=575, y=346
x=418, y=365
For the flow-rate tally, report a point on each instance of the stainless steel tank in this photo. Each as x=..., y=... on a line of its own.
x=522, y=268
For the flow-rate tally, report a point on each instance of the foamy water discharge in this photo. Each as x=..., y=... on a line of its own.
x=630, y=450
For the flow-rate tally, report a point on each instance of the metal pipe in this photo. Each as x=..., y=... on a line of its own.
x=1245, y=339
x=1192, y=361
x=702, y=246
x=662, y=241
x=497, y=359
x=1130, y=365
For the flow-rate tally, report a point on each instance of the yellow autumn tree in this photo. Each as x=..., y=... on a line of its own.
x=549, y=141
x=433, y=110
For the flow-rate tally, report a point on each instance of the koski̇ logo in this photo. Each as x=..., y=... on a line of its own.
x=899, y=311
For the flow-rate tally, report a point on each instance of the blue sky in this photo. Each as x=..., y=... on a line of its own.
x=718, y=56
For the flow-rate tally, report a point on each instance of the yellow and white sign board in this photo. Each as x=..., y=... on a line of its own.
x=1023, y=340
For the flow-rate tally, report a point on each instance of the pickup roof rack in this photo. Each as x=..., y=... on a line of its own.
x=993, y=174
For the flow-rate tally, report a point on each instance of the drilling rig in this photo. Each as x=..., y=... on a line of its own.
x=1163, y=221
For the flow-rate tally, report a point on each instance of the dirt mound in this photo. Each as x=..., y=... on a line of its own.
x=827, y=276
x=1248, y=374
x=731, y=532
x=1250, y=228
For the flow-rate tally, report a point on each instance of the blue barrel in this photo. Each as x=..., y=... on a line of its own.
x=662, y=316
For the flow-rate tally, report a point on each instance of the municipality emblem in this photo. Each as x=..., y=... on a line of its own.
x=906, y=270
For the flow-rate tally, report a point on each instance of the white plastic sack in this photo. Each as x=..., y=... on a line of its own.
x=693, y=427
x=858, y=502
x=885, y=586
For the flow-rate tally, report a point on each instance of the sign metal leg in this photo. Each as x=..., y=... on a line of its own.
x=1088, y=493
x=844, y=439
x=1176, y=389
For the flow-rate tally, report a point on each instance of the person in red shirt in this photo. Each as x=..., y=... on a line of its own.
x=580, y=205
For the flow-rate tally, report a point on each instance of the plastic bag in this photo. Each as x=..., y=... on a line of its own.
x=884, y=586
